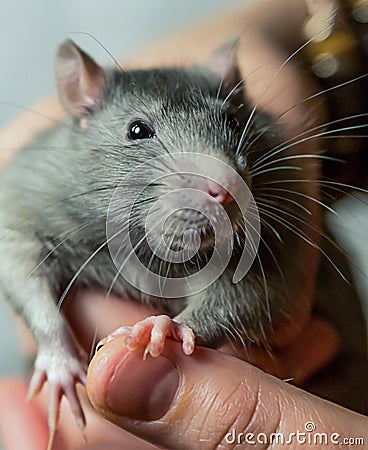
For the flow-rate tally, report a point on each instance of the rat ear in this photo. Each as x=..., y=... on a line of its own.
x=79, y=79
x=223, y=63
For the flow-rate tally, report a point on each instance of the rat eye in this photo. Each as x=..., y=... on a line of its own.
x=139, y=129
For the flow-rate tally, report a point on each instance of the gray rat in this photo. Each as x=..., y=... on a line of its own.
x=55, y=196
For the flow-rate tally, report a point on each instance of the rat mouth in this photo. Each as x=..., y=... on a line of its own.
x=204, y=230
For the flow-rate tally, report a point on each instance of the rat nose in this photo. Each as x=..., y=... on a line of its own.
x=218, y=192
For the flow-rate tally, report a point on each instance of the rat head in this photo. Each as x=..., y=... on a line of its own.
x=167, y=144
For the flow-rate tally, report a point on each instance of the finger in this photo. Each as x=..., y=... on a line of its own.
x=16, y=414
x=183, y=402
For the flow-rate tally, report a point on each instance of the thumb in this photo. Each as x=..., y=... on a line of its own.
x=209, y=400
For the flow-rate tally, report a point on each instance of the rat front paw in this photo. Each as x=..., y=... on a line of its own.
x=62, y=371
x=151, y=334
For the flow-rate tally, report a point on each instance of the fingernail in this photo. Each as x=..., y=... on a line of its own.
x=142, y=389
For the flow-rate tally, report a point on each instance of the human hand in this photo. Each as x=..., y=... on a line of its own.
x=223, y=375
x=203, y=401
x=189, y=403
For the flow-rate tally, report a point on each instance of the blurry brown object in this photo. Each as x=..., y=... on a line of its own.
x=337, y=54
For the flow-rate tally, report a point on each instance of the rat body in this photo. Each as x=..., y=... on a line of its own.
x=56, y=193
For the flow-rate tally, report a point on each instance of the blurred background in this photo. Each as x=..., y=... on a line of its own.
x=30, y=32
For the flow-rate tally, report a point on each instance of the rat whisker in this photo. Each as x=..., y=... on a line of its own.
x=328, y=239
x=347, y=136
x=327, y=183
x=273, y=229
x=310, y=97
x=164, y=147
x=85, y=33
x=321, y=233
x=59, y=244
x=133, y=250
x=162, y=165
x=282, y=147
x=50, y=205
x=293, y=228
x=276, y=74
x=116, y=62
x=232, y=92
x=344, y=192
x=284, y=199
x=300, y=156
x=80, y=194
x=263, y=241
x=242, y=81
x=282, y=211
x=263, y=275
x=234, y=333
x=230, y=338
x=82, y=267
x=168, y=248
x=315, y=136
x=43, y=147
x=322, y=135
x=35, y=112
x=300, y=194
x=275, y=169
x=152, y=257
x=111, y=286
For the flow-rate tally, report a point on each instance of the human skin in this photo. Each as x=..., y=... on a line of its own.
x=202, y=411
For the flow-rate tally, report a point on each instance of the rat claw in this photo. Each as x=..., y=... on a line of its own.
x=54, y=405
x=146, y=351
x=62, y=369
x=151, y=334
x=188, y=348
x=187, y=336
x=122, y=331
x=36, y=383
x=51, y=439
x=103, y=342
x=75, y=406
x=100, y=344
